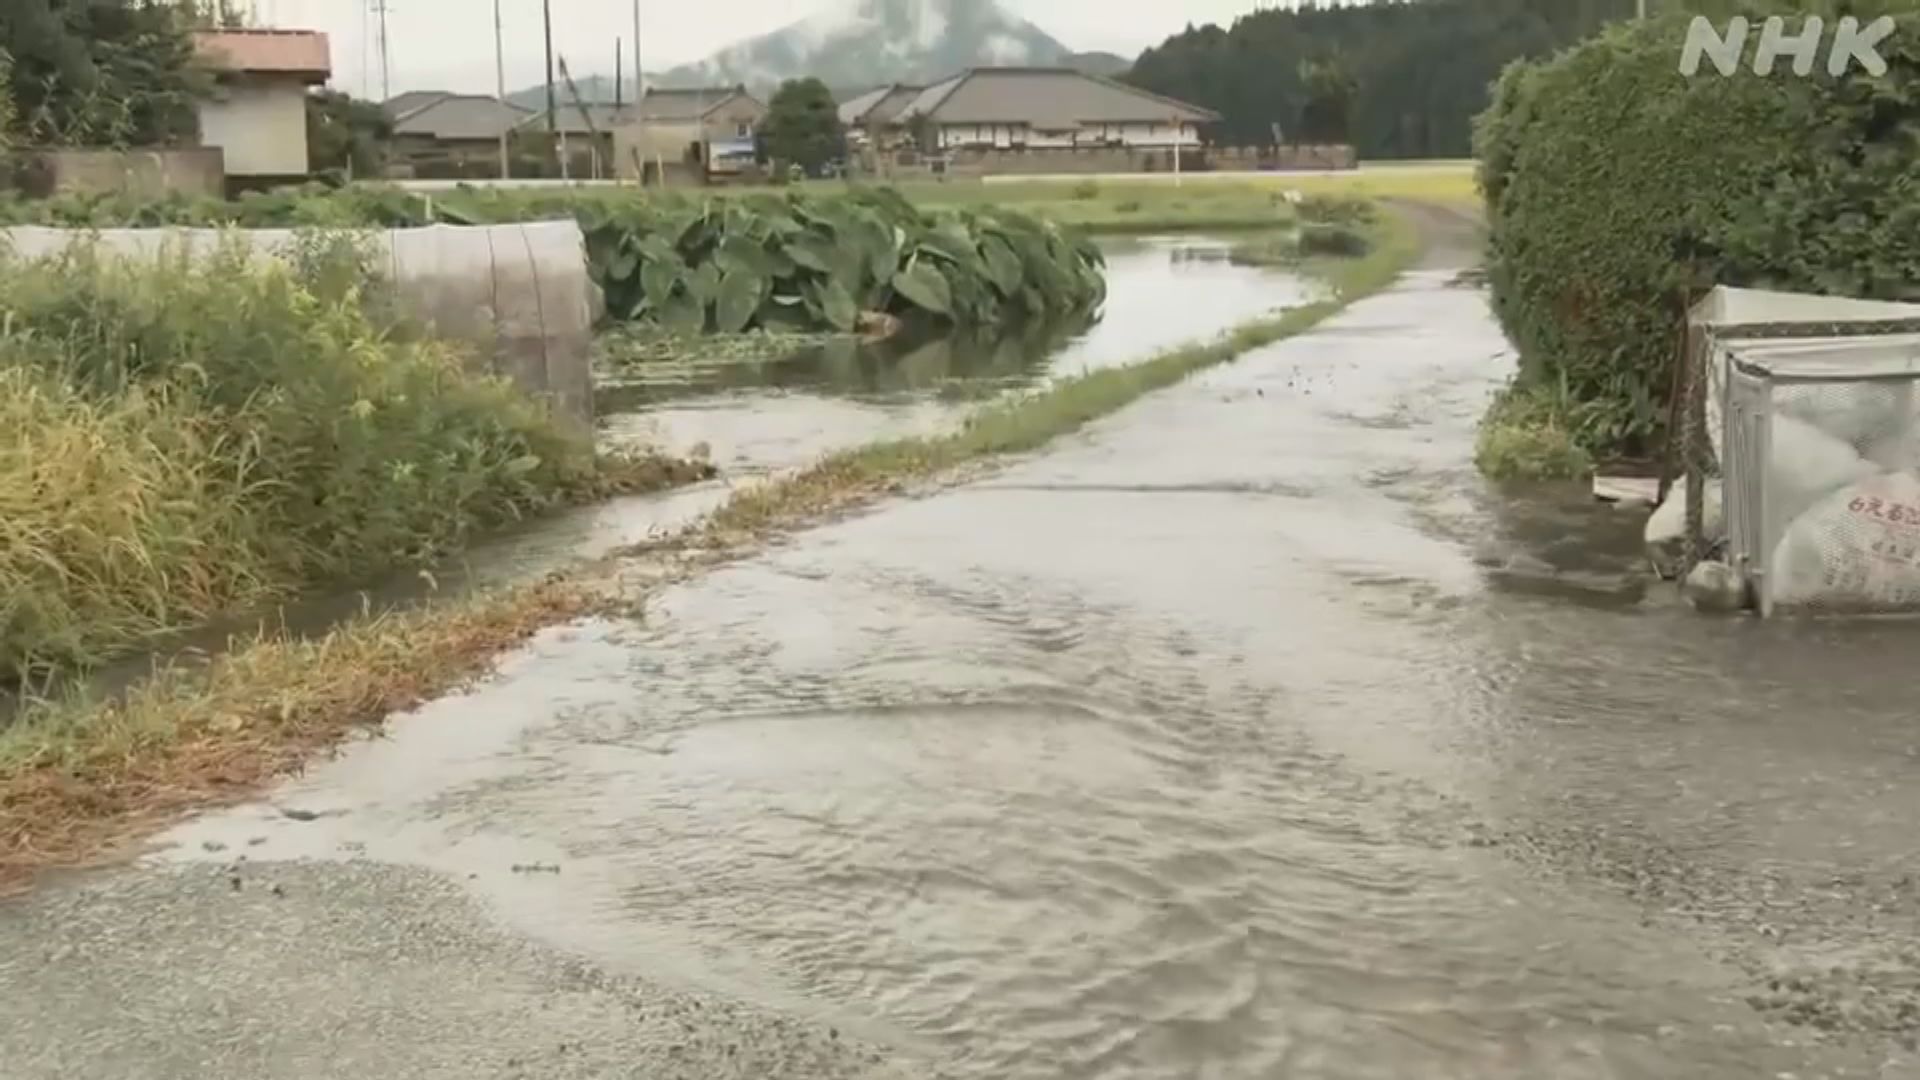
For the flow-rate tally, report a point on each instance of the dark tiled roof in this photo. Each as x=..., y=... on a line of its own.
x=566, y=117
x=658, y=106
x=456, y=116
x=399, y=106
x=1055, y=98
x=669, y=105
x=878, y=106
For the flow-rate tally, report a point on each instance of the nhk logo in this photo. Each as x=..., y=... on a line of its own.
x=1852, y=44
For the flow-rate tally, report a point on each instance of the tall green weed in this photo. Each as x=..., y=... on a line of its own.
x=185, y=438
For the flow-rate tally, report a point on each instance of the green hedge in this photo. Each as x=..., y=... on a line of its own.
x=1616, y=188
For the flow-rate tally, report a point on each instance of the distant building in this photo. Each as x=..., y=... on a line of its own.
x=441, y=134
x=1013, y=108
x=588, y=138
x=257, y=115
x=874, y=118
x=711, y=129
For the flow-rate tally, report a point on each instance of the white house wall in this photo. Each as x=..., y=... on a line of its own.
x=1003, y=136
x=261, y=127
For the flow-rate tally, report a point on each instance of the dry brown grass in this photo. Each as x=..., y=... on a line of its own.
x=79, y=781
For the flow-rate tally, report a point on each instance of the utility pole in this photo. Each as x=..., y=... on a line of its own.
x=500, y=78
x=1178, y=132
x=619, y=76
x=386, y=55
x=639, y=103
x=546, y=14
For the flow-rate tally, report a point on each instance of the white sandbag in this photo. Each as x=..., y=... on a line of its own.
x=1669, y=520
x=1855, y=551
x=1898, y=448
x=1666, y=530
x=1805, y=465
x=1860, y=414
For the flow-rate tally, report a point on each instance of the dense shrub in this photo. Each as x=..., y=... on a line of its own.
x=182, y=442
x=1346, y=241
x=1617, y=188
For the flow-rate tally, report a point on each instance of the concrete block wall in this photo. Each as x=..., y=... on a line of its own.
x=199, y=170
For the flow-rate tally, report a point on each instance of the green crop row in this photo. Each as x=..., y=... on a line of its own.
x=792, y=262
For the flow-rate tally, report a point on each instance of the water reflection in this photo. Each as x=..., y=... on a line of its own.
x=911, y=362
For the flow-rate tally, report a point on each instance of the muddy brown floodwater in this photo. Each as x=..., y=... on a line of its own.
x=1244, y=734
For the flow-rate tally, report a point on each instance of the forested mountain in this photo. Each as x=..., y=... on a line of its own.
x=1398, y=79
x=869, y=42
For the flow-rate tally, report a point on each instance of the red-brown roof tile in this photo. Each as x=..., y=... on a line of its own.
x=286, y=52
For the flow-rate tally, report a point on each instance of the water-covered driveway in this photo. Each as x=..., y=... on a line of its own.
x=1215, y=742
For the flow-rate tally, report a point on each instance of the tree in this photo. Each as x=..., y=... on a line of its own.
x=1416, y=73
x=346, y=136
x=1326, y=116
x=7, y=118
x=101, y=72
x=802, y=126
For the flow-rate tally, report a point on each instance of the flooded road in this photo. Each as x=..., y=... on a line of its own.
x=1244, y=734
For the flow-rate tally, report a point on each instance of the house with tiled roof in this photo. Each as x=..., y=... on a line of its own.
x=1037, y=108
x=873, y=117
x=440, y=133
x=707, y=129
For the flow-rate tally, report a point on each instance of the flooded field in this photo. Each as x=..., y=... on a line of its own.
x=1245, y=734
x=784, y=413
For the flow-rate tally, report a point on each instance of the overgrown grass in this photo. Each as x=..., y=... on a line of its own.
x=1523, y=436
x=642, y=345
x=1331, y=227
x=1200, y=201
x=1124, y=206
x=78, y=778
x=196, y=438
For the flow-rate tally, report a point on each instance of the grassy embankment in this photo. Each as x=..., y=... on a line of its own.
x=1201, y=202
x=79, y=778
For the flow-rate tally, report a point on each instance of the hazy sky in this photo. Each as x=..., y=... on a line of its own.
x=448, y=44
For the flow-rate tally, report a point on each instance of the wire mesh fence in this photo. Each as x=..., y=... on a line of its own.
x=1803, y=433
